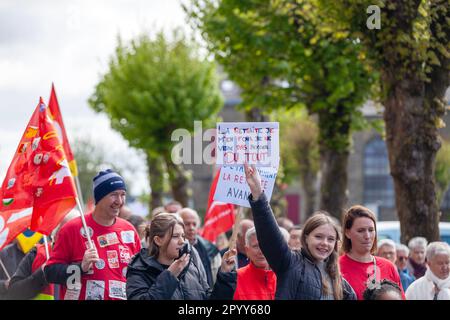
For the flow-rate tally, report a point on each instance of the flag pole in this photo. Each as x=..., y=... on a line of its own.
x=91, y=245
x=47, y=254
x=4, y=270
x=80, y=195
x=236, y=228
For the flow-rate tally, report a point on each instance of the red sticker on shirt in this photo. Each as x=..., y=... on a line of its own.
x=113, y=259
x=124, y=254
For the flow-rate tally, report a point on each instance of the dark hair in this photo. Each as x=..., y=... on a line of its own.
x=136, y=221
x=160, y=226
x=384, y=286
x=350, y=216
x=318, y=219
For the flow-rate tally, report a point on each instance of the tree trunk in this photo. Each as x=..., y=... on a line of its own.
x=334, y=144
x=333, y=184
x=156, y=173
x=178, y=182
x=256, y=115
x=309, y=179
x=411, y=114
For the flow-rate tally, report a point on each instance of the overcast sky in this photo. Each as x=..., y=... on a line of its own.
x=68, y=42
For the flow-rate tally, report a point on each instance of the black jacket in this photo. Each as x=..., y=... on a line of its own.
x=147, y=279
x=25, y=284
x=297, y=276
x=11, y=255
x=206, y=251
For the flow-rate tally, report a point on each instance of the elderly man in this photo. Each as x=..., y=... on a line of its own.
x=406, y=277
x=244, y=225
x=242, y=259
x=208, y=252
x=386, y=249
x=295, y=234
x=435, y=285
x=255, y=281
x=416, y=262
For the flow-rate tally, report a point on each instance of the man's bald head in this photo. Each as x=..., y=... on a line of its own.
x=191, y=223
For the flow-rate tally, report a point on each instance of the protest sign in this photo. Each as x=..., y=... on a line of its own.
x=252, y=142
x=232, y=186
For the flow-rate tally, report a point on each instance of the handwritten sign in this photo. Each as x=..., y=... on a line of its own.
x=232, y=186
x=252, y=142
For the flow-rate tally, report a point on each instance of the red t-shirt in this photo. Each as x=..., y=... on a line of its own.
x=255, y=284
x=116, y=245
x=358, y=273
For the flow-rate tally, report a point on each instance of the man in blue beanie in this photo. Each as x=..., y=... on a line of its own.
x=111, y=185
x=87, y=273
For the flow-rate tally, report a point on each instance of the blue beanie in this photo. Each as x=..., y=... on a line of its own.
x=106, y=182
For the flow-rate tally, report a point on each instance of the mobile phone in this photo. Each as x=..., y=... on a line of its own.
x=186, y=248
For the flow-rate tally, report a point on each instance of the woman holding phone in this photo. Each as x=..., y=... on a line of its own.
x=160, y=273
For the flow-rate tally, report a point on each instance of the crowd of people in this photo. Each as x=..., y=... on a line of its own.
x=112, y=254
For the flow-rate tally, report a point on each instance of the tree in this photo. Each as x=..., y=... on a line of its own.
x=156, y=178
x=91, y=158
x=282, y=56
x=442, y=171
x=411, y=49
x=153, y=87
x=300, y=153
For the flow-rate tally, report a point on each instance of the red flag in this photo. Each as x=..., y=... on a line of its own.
x=38, y=181
x=219, y=215
x=12, y=223
x=56, y=115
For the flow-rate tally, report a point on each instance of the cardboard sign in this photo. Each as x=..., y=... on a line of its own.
x=232, y=186
x=252, y=142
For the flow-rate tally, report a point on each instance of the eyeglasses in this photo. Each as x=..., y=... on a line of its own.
x=402, y=258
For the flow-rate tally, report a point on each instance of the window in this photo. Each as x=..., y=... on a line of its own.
x=378, y=184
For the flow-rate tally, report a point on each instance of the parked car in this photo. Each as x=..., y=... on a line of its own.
x=391, y=230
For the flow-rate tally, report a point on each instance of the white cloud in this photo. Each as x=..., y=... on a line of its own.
x=69, y=43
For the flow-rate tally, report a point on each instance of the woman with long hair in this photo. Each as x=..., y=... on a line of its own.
x=358, y=263
x=160, y=273
x=311, y=273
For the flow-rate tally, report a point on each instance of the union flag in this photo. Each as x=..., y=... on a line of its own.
x=38, y=190
x=56, y=115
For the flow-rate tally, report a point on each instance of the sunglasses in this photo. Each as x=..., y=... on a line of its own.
x=402, y=258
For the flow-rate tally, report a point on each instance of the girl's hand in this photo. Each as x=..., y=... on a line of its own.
x=253, y=180
x=179, y=264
